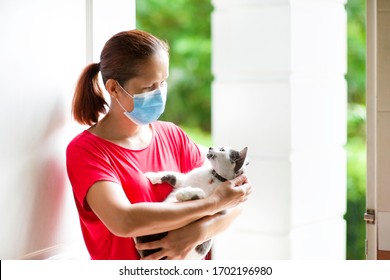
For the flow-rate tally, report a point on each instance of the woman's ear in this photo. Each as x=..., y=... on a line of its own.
x=112, y=88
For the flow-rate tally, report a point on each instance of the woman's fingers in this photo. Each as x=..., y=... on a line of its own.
x=231, y=193
x=239, y=180
x=152, y=245
x=148, y=245
x=244, y=185
x=247, y=187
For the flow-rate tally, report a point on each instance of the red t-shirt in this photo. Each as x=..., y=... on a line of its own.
x=91, y=159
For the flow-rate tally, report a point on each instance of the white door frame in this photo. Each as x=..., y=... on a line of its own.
x=377, y=215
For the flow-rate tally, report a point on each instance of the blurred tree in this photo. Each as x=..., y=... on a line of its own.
x=356, y=149
x=356, y=76
x=185, y=25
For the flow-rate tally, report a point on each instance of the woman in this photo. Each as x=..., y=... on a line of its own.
x=106, y=163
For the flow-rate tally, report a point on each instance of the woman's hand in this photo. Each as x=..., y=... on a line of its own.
x=176, y=245
x=231, y=193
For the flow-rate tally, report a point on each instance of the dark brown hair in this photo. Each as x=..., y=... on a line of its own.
x=121, y=58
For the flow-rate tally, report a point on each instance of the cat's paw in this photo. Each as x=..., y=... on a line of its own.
x=154, y=177
x=189, y=193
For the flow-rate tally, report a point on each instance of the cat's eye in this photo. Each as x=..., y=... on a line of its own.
x=222, y=149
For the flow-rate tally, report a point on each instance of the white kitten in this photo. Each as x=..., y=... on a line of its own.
x=224, y=164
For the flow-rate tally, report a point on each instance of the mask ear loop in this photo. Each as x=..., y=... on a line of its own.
x=126, y=93
x=124, y=109
x=124, y=90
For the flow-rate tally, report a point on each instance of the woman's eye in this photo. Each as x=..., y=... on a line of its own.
x=152, y=87
x=148, y=88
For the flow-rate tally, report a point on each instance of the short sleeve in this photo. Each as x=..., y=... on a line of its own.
x=86, y=165
x=191, y=156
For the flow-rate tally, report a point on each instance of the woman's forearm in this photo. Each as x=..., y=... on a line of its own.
x=108, y=201
x=110, y=204
x=176, y=215
x=150, y=218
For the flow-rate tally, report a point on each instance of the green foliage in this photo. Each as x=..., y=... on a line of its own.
x=356, y=190
x=199, y=136
x=356, y=122
x=356, y=76
x=185, y=25
x=356, y=149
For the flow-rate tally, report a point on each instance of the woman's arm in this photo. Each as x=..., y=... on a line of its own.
x=109, y=202
x=180, y=242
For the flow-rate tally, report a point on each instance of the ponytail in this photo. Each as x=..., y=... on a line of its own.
x=88, y=99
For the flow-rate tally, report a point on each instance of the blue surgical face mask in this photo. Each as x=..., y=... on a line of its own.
x=148, y=106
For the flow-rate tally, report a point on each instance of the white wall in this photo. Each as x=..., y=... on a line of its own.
x=279, y=89
x=43, y=49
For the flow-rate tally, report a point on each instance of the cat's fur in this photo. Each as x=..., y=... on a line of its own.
x=225, y=164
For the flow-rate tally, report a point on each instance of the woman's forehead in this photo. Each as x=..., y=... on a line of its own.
x=155, y=68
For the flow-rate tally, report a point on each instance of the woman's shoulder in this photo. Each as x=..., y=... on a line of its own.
x=83, y=141
x=167, y=127
x=164, y=125
x=82, y=137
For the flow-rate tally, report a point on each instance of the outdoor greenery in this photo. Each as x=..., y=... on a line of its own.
x=185, y=25
x=356, y=147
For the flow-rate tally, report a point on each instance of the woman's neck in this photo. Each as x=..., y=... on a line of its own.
x=123, y=132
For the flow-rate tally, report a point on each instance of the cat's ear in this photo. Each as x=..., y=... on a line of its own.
x=243, y=153
x=241, y=159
